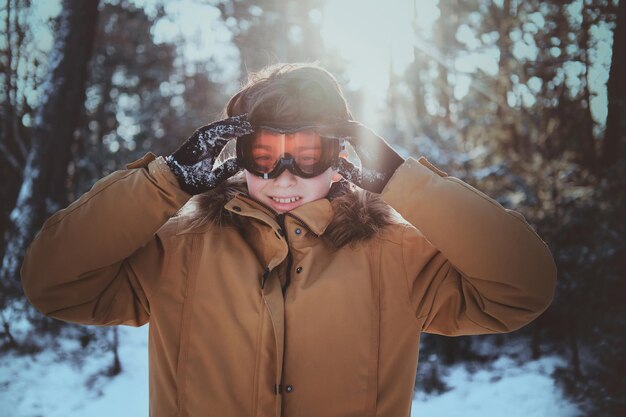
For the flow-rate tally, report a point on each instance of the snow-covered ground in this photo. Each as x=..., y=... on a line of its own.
x=42, y=386
x=505, y=389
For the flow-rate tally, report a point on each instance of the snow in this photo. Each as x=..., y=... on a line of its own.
x=505, y=389
x=202, y=149
x=44, y=386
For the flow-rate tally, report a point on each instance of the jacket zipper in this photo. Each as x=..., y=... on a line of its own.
x=280, y=219
x=281, y=222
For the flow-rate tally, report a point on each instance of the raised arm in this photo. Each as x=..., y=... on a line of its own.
x=472, y=266
x=96, y=261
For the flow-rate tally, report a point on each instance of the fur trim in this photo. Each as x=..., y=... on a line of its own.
x=358, y=214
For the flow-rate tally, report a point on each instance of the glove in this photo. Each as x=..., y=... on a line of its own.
x=192, y=163
x=378, y=158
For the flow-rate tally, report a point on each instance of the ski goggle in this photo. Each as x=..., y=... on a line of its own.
x=268, y=151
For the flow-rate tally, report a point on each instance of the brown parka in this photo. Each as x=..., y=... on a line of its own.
x=342, y=340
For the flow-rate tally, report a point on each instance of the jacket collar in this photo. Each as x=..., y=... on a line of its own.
x=314, y=215
x=346, y=216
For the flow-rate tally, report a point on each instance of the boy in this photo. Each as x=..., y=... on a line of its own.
x=285, y=290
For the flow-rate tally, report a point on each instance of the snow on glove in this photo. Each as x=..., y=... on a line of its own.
x=378, y=158
x=192, y=163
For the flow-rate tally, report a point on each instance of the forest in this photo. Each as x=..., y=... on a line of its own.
x=524, y=100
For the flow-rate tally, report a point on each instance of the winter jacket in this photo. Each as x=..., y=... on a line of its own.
x=363, y=276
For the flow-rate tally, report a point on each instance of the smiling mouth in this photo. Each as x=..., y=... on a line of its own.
x=285, y=200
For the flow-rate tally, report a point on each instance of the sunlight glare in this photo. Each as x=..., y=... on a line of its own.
x=371, y=36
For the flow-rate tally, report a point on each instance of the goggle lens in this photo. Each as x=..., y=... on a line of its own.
x=306, y=151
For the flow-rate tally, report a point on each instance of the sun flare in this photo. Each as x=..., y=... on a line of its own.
x=373, y=37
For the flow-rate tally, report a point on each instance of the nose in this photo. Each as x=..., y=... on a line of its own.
x=286, y=179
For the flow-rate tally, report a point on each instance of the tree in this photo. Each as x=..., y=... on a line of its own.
x=614, y=147
x=43, y=184
x=20, y=71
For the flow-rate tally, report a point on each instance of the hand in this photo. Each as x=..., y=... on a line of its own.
x=192, y=162
x=378, y=158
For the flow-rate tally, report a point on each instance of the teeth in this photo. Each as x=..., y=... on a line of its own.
x=285, y=200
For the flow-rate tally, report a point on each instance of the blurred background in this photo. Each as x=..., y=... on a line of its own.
x=525, y=100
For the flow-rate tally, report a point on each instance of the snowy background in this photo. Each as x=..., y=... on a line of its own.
x=510, y=96
x=42, y=386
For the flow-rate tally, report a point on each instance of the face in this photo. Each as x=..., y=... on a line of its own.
x=288, y=191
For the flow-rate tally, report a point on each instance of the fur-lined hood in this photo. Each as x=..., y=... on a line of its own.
x=358, y=214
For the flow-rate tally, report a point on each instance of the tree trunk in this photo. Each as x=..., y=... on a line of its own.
x=535, y=343
x=444, y=39
x=587, y=146
x=575, y=358
x=507, y=137
x=614, y=146
x=116, y=366
x=43, y=185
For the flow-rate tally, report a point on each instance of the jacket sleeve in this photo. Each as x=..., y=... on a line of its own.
x=97, y=261
x=473, y=267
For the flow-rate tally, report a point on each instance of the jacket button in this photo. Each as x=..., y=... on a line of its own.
x=299, y=269
x=298, y=231
x=289, y=388
x=237, y=208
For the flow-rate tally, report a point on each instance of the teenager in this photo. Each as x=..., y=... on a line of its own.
x=287, y=281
